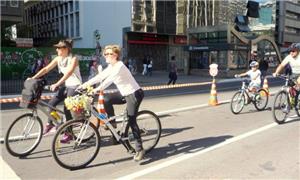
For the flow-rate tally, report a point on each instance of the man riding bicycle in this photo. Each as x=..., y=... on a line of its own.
x=293, y=59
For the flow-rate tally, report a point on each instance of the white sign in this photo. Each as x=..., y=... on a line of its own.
x=213, y=69
x=24, y=42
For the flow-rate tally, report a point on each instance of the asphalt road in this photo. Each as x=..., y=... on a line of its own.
x=204, y=142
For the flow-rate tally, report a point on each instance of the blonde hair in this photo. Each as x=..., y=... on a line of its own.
x=115, y=49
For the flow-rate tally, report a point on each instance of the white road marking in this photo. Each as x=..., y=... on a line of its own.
x=190, y=155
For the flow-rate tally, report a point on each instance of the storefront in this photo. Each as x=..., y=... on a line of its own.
x=216, y=44
x=159, y=47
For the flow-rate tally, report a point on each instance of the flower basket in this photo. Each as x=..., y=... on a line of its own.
x=79, y=106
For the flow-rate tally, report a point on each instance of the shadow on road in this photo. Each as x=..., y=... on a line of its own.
x=183, y=147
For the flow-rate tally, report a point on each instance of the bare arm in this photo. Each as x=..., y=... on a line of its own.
x=46, y=69
x=71, y=68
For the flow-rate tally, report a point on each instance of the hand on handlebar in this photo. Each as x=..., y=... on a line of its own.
x=275, y=74
x=236, y=76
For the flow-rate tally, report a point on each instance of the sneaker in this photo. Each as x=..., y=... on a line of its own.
x=48, y=128
x=139, y=155
x=66, y=138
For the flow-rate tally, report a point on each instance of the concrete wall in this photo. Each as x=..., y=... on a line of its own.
x=109, y=17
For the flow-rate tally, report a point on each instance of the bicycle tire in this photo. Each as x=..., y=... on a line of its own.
x=261, y=99
x=238, y=97
x=97, y=125
x=70, y=155
x=297, y=105
x=27, y=144
x=150, y=127
x=281, y=105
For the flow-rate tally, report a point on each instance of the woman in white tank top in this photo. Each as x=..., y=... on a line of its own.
x=68, y=65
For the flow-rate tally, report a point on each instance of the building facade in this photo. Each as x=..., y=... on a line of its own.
x=78, y=20
x=287, y=22
x=11, y=12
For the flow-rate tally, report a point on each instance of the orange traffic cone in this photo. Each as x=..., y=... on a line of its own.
x=100, y=105
x=213, y=100
x=266, y=86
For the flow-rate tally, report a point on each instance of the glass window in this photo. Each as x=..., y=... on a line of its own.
x=72, y=25
x=67, y=25
x=62, y=25
x=66, y=8
x=71, y=6
x=77, y=25
x=77, y=5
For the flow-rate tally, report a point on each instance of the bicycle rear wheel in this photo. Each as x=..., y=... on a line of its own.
x=150, y=128
x=261, y=99
x=24, y=135
x=237, y=102
x=76, y=153
x=297, y=105
x=281, y=107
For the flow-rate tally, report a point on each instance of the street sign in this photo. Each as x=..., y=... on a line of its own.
x=213, y=69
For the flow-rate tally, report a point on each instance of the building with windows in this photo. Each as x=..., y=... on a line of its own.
x=78, y=20
x=287, y=28
x=11, y=12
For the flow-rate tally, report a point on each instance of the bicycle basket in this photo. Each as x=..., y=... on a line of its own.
x=31, y=92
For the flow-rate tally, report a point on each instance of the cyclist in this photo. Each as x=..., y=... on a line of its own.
x=68, y=65
x=293, y=59
x=254, y=74
x=119, y=74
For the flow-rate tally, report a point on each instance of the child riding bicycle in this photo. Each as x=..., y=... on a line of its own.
x=254, y=74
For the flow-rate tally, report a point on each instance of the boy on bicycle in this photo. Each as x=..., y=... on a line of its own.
x=254, y=74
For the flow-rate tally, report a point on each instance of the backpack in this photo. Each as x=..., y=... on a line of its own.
x=32, y=92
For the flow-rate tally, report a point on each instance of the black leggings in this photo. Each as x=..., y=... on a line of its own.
x=60, y=96
x=133, y=102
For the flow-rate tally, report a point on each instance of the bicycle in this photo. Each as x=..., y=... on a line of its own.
x=242, y=97
x=25, y=133
x=71, y=156
x=285, y=100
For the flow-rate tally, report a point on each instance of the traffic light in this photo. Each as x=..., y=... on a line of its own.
x=241, y=23
x=253, y=8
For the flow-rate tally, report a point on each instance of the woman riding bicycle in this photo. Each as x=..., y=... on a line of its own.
x=293, y=59
x=68, y=65
x=119, y=74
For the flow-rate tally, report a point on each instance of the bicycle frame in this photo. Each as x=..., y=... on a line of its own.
x=42, y=105
x=117, y=134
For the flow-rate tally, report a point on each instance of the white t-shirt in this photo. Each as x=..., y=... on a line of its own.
x=63, y=66
x=120, y=76
x=294, y=63
x=254, y=74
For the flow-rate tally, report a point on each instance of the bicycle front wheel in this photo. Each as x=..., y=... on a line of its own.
x=237, y=102
x=150, y=129
x=281, y=107
x=261, y=99
x=78, y=151
x=24, y=135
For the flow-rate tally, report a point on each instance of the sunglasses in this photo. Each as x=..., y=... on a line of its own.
x=60, y=47
x=106, y=54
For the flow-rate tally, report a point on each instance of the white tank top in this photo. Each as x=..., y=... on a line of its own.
x=63, y=65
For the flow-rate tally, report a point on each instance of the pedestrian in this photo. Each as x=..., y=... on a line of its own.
x=93, y=69
x=145, y=64
x=172, y=71
x=263, y=67
x=149, y=67
x=68, y=65
x=117, y=73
